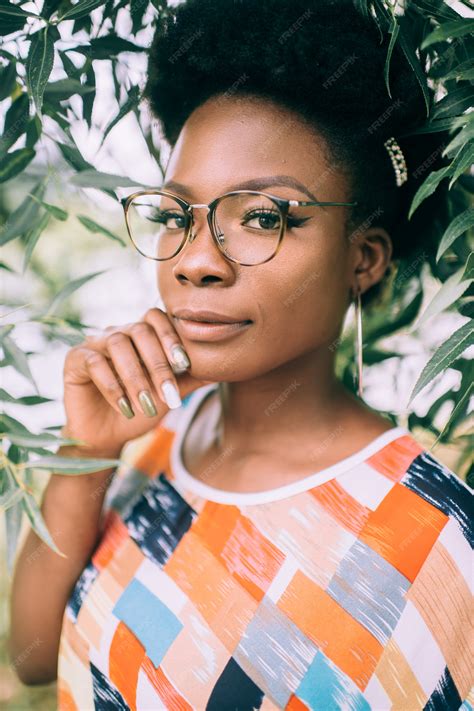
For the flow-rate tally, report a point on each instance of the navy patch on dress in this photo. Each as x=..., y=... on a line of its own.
x=439, y=486
x=159, y=519
x=234, y=691
x=81, y=589
x=446, y=696
x=106, y=696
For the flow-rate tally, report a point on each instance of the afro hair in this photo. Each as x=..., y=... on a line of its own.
x=325, y=60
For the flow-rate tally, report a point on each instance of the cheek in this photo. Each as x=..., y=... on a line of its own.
x=311, y=299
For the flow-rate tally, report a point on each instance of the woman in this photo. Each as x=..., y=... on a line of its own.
x=277, y=543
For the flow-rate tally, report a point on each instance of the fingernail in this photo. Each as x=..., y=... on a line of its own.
x=125, y=407
x=180, y=357
x=147, y=403
x=170, y=393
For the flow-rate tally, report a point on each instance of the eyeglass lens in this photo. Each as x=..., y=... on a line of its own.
x=246, y=225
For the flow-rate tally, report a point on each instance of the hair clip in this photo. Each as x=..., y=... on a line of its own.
x=398, y=160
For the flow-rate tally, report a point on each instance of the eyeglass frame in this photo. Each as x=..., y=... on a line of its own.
x=281, y=203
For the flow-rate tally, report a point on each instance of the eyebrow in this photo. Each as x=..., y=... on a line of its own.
x=253, y=184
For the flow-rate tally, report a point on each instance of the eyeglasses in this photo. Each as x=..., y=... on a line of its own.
x=247, y=226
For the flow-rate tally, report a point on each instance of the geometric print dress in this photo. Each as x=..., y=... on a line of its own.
x=348, y=589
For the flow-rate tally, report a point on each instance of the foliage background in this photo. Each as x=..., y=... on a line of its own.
x=75, y=138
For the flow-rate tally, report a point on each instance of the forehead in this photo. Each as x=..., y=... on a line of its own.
x=228, y=140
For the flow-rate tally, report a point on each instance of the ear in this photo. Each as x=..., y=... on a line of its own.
x=372, y=254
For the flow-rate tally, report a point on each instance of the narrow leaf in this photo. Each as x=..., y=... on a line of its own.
x=69, y=289
x=44, y=439
x=96, y=179
x=38, y=524
x=39, y=64
x=457, y=227
x=13, y=163
x=72, y=465
x=452, y=289
x=18, y=359
x=428, y=187
x=32, y=238
x=93, y=226
x=80, y=9
x=449, y=30
x=446, y=354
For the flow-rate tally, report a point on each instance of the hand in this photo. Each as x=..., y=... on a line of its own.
x=120, y=363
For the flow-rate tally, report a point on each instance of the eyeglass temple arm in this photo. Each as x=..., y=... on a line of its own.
x=302, y=203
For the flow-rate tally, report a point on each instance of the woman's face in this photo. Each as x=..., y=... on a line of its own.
x=297, y=300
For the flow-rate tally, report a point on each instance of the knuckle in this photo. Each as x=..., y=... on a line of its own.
x=140, y=328
x=116, y=338
x=112, y=388
x=94, y=358
x=159, y=367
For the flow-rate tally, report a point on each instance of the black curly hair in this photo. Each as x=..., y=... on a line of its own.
x=325, y=60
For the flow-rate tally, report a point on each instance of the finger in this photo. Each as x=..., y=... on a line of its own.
x=94, y=366
x=152, y=355
x=169, y=339
x=126, y=362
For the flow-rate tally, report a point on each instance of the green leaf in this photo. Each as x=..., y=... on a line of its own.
x=393, y=30
x=7, y=80
x=25, y=400
x=469, y=268
x=33, y=131
x=65, y=88
x=452, y=289
x=132, y=100
x=12, y=17
x=454, y=103
x=16, y=120
x=428, y=187
x=37, y=522
x=448, y=30
x=457, y=227
x=67, y=290
x=80, y=9
x=108, y=46
x=32, y=238
x=446, y=354
x=74, y=157
x=18, y=359
x=13, y=516
x=96, y=179
x=93, y=226
x=39, y=64
x=462, y=162
x=72, y=465
x=457, y=411
x=12, y=493
x=55, y=211
x=40, y=440
x=13, y=163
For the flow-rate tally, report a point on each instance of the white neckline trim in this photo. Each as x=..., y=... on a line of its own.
x=225, y=496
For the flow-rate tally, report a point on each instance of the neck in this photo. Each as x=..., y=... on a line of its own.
x=299, y=402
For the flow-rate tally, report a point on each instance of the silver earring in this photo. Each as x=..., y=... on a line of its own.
x=358, y=343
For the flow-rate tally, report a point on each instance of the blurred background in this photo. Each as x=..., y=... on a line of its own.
x=38, y=269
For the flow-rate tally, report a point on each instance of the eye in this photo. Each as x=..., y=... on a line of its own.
x=164, y=217
x=265, y=219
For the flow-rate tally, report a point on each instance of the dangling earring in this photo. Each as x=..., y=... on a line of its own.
x=358, y=342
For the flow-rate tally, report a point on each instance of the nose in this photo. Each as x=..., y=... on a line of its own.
x=191, y=208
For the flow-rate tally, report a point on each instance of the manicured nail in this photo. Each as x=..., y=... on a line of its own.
x=170, y=393
x=125, y=407
x=147, y=403
x=180, y=357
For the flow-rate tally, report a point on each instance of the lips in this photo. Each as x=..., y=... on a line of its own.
x=206, y=316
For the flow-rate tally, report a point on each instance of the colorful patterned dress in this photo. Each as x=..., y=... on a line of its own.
x=348, y=589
